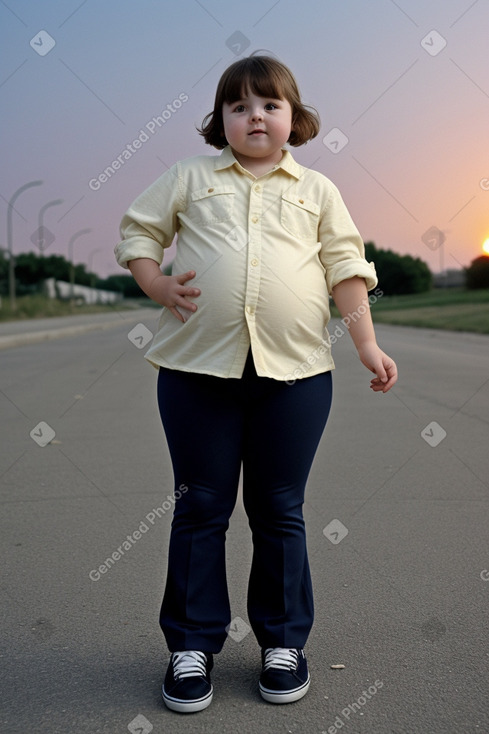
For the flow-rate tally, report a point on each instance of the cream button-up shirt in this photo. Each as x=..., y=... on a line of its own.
x=267, y=253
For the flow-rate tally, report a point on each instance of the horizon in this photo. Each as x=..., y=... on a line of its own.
x=401, y=93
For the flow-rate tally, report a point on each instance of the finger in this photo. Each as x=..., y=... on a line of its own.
x=186, y=306
x=182, y=301
x=392, y=381
x=177, y=314
x=392, y=375
x=380, y=372
x=183, y=277
x=387, y=372
x=378, y=386
x=191, y=292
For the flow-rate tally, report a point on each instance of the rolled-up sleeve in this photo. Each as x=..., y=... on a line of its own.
x=342, y=251
x=151, y=222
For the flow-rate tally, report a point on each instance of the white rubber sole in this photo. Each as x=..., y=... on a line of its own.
x=187, y=707
x=285, y=696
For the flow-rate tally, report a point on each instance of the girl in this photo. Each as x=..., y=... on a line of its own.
x=245, y=366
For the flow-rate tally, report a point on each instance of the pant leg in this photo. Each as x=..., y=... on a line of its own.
x=282, y=431
x=203, y=424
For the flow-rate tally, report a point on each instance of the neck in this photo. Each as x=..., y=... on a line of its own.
x=259, y=166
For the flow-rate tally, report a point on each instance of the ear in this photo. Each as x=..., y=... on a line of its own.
x=293, y=128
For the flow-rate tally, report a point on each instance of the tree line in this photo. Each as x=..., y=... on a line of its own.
x=31, y=270
x=398, y=274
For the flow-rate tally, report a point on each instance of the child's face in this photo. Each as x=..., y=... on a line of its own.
x=257, y=127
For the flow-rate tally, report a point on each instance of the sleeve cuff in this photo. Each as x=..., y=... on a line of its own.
x=349, y=269
x=133, y=249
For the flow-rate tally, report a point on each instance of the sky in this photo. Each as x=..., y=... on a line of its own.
x=401, y=88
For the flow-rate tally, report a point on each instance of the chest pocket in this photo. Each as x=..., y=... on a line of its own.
x=211, y=205
x=300, y=217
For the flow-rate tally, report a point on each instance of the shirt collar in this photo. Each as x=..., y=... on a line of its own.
x=288, y=164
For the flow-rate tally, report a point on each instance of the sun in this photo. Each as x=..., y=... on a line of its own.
x=485, y=246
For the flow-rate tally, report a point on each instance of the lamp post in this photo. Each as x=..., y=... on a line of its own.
x=72, y=264
x=92, y=276
x=3, y=250
x=11, y=271
x=40, y=231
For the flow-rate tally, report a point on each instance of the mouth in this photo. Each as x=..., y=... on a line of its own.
x=257, y=132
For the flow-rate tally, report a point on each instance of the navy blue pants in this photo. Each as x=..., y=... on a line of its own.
x=212, y=426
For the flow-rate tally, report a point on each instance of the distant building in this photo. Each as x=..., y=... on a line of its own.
x=61, y=289
x=449, y=279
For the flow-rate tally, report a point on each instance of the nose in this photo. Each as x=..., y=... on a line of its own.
x=256, y=114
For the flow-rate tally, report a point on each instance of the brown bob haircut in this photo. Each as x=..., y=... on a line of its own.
x=265, y=77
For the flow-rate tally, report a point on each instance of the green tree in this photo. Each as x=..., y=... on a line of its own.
x=124, y=284
x=3, y=274
x=31, y=270
x=477, y=274
x=399, y=274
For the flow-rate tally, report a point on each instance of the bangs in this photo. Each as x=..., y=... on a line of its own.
x=256, y=77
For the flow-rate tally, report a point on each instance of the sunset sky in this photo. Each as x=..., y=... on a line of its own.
x=401, y=87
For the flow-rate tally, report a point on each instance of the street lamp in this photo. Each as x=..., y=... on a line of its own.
x=92, y=275
x=41, y=234
x=3, y=251
x=11, y=271
x=72, y=264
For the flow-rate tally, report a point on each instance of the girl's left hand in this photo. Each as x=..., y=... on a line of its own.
x=381, y=364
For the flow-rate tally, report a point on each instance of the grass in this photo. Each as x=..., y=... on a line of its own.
x=40, y=307
x=454, y=309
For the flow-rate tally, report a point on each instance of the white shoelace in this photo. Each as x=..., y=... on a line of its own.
x=188, y=663
x=281, y=657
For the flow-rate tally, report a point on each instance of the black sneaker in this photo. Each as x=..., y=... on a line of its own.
x=284, y=677
x=187, y=687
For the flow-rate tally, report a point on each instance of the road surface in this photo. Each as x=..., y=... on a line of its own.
x=398, y=530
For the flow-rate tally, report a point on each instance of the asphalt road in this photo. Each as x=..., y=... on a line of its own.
x=398, y=531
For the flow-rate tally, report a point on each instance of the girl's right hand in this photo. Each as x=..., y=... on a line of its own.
x=170, y=291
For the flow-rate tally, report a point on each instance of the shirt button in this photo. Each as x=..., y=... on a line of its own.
x=250, y=309
x=209, y=191
x=255, y=219
x=301, y=201
x=254, y=262
x=257, y=188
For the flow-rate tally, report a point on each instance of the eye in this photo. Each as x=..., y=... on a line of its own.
x=271, y=106
x=239, y=108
